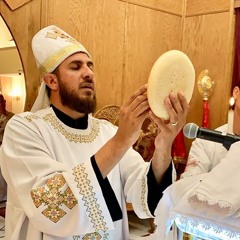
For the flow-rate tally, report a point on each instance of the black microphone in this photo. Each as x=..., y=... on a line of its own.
x=191, y=130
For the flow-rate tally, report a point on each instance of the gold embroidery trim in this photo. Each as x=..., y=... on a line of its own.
x=143, y=193
x=54, y=198
x=54, y=60
x=83, y=138
x=32, y=117
x=92, y=236
x=86, y=190
x=58, y=33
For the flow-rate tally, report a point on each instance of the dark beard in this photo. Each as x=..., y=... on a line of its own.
x=71, y=99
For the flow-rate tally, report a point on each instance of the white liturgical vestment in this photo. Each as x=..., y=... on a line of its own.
x=204, y=155
x=69, y=205
x=206, y=201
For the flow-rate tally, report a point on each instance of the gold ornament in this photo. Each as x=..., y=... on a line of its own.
x=205, y=84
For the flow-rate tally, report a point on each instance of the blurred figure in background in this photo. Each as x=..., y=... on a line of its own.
x=204, y=155
x=4, y=117
x=209, y=177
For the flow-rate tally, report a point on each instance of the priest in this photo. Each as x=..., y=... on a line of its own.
x=69, y=174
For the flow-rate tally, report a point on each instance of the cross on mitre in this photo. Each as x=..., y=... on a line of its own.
x=58, y=34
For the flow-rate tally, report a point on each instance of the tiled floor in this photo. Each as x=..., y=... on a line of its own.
x=138, y=228
x=2, y=228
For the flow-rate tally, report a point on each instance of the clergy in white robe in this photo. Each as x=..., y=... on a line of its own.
x=204, y=155
x=205, y=205
x=69, y=174
x=62, y=198
x=205, y=201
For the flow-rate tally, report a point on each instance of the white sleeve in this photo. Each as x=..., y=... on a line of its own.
x=50, y=193
x=200, y=158
x=134, y=179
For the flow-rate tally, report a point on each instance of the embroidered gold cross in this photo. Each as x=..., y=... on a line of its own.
x=53, y=198
x=59, y=34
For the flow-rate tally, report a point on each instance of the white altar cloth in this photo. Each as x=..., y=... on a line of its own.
x=174, y=208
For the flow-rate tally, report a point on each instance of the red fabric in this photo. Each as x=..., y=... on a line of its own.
x=206, y=119
x=2, y=212
x=178, y=148
x=179, y=153
x=236, y=63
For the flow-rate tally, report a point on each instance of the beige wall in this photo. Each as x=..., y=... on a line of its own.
x=208, y=41
x=23, y=23
x=125, y=37
x=9, y=61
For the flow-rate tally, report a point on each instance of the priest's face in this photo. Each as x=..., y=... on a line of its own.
x=76, y=83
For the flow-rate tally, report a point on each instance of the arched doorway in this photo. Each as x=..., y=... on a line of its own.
x=12, y=79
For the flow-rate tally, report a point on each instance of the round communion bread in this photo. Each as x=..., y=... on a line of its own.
x=173, y=71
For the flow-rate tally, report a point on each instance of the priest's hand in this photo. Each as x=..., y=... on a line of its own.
x=177, y=108
x=132, y=115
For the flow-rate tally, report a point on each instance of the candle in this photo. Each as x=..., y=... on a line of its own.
x=230, y=115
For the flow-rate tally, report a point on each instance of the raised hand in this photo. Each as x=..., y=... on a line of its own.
x=132, y=115
x=177, y=107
